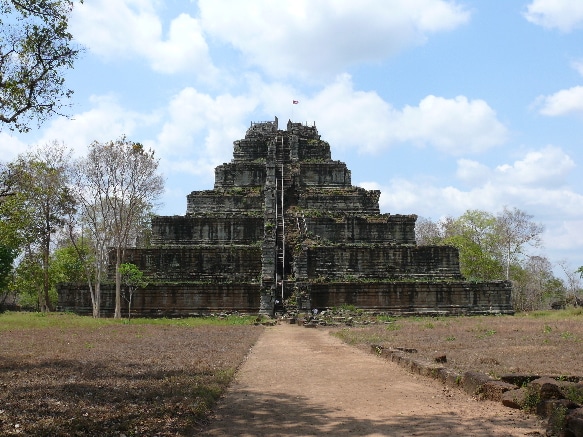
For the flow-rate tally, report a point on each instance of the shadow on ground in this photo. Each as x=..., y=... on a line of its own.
x=253, y=414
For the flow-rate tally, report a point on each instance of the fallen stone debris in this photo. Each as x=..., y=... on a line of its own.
x=558, y=399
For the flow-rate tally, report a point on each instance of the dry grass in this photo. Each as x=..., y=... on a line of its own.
x=79, y=377
x=541, y=343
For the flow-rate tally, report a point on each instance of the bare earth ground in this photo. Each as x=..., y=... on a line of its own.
x=305, y=382
x=114, y=380
x=540, y=344
x=74, y=376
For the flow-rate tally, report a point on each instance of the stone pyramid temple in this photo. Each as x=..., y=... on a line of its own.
x=284, y=225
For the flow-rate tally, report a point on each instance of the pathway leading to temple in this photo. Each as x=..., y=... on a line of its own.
x=305, y=382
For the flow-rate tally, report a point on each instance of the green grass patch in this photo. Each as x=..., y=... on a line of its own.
x=25, y=320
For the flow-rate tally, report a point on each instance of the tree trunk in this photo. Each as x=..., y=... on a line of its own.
x=46, y=253
x=46, y=286
x=95, y=293
x=117, y=314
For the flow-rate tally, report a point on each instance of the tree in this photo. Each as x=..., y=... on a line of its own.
x=515, y=229
x=427, y=232
x=118, y=186
x=42, y=180
x=7, y=256
x=36, y=48
x=535, y=286
x=67, y=265
x=89, y=236
x=6, y=181
x=474, y=235
x=572, y=279
x=133, y=278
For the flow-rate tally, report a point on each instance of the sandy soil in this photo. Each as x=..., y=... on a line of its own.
x=304, y=382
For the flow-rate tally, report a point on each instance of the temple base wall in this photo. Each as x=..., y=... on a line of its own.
x=406, y=298
x=166, y=300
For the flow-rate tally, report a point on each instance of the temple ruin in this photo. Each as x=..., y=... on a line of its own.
x=284, y=224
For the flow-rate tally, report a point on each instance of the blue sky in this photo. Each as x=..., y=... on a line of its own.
x=443, y=105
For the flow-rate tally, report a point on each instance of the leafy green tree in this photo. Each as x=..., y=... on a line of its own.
x=40, y=206
x=28, y=280
x=473, y=234
x=5, y=182
x=7, y=256
x=67, y=265
x=133, y=278
x=489, y=245
x=36, y=49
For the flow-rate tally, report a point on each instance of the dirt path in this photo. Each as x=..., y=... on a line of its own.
x=304, y=382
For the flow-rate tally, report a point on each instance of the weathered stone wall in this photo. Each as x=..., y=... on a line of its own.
x=353, y=200
x=378, y=261
x=240, y=174
x=325, y=174
x=249, y=149
x=302, y=149
x=198, y=263
x=166, y=300
x=456, y=297
x=302, y=131
x=207, y=229
x=385, y=228
x=224, y=201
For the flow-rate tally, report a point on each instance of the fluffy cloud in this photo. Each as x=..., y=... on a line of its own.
x=200, y=130
x=456, y=126
x=10, y=147
x=547, y=167
x=536, y=183
x=363, y=120
x=105, y=121
x=564, y=15
x=129, y=28
x=562, y=102
x=323, y=37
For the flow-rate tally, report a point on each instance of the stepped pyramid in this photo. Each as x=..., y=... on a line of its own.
x=284, y=223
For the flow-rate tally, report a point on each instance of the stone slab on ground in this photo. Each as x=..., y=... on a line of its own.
x=305, y=382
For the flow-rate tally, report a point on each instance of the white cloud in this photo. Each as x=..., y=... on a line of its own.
x=456, y=126
x=200, y=131
x=129, y=28
x=321, y=38
x=562, y=102
x=472, y=172
x=564, y=15
x=535, y=183
x=545, y=168
x=105, y=121
x=11, y=147
x=401, y=196
x=566, y=235
x=364, y=120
